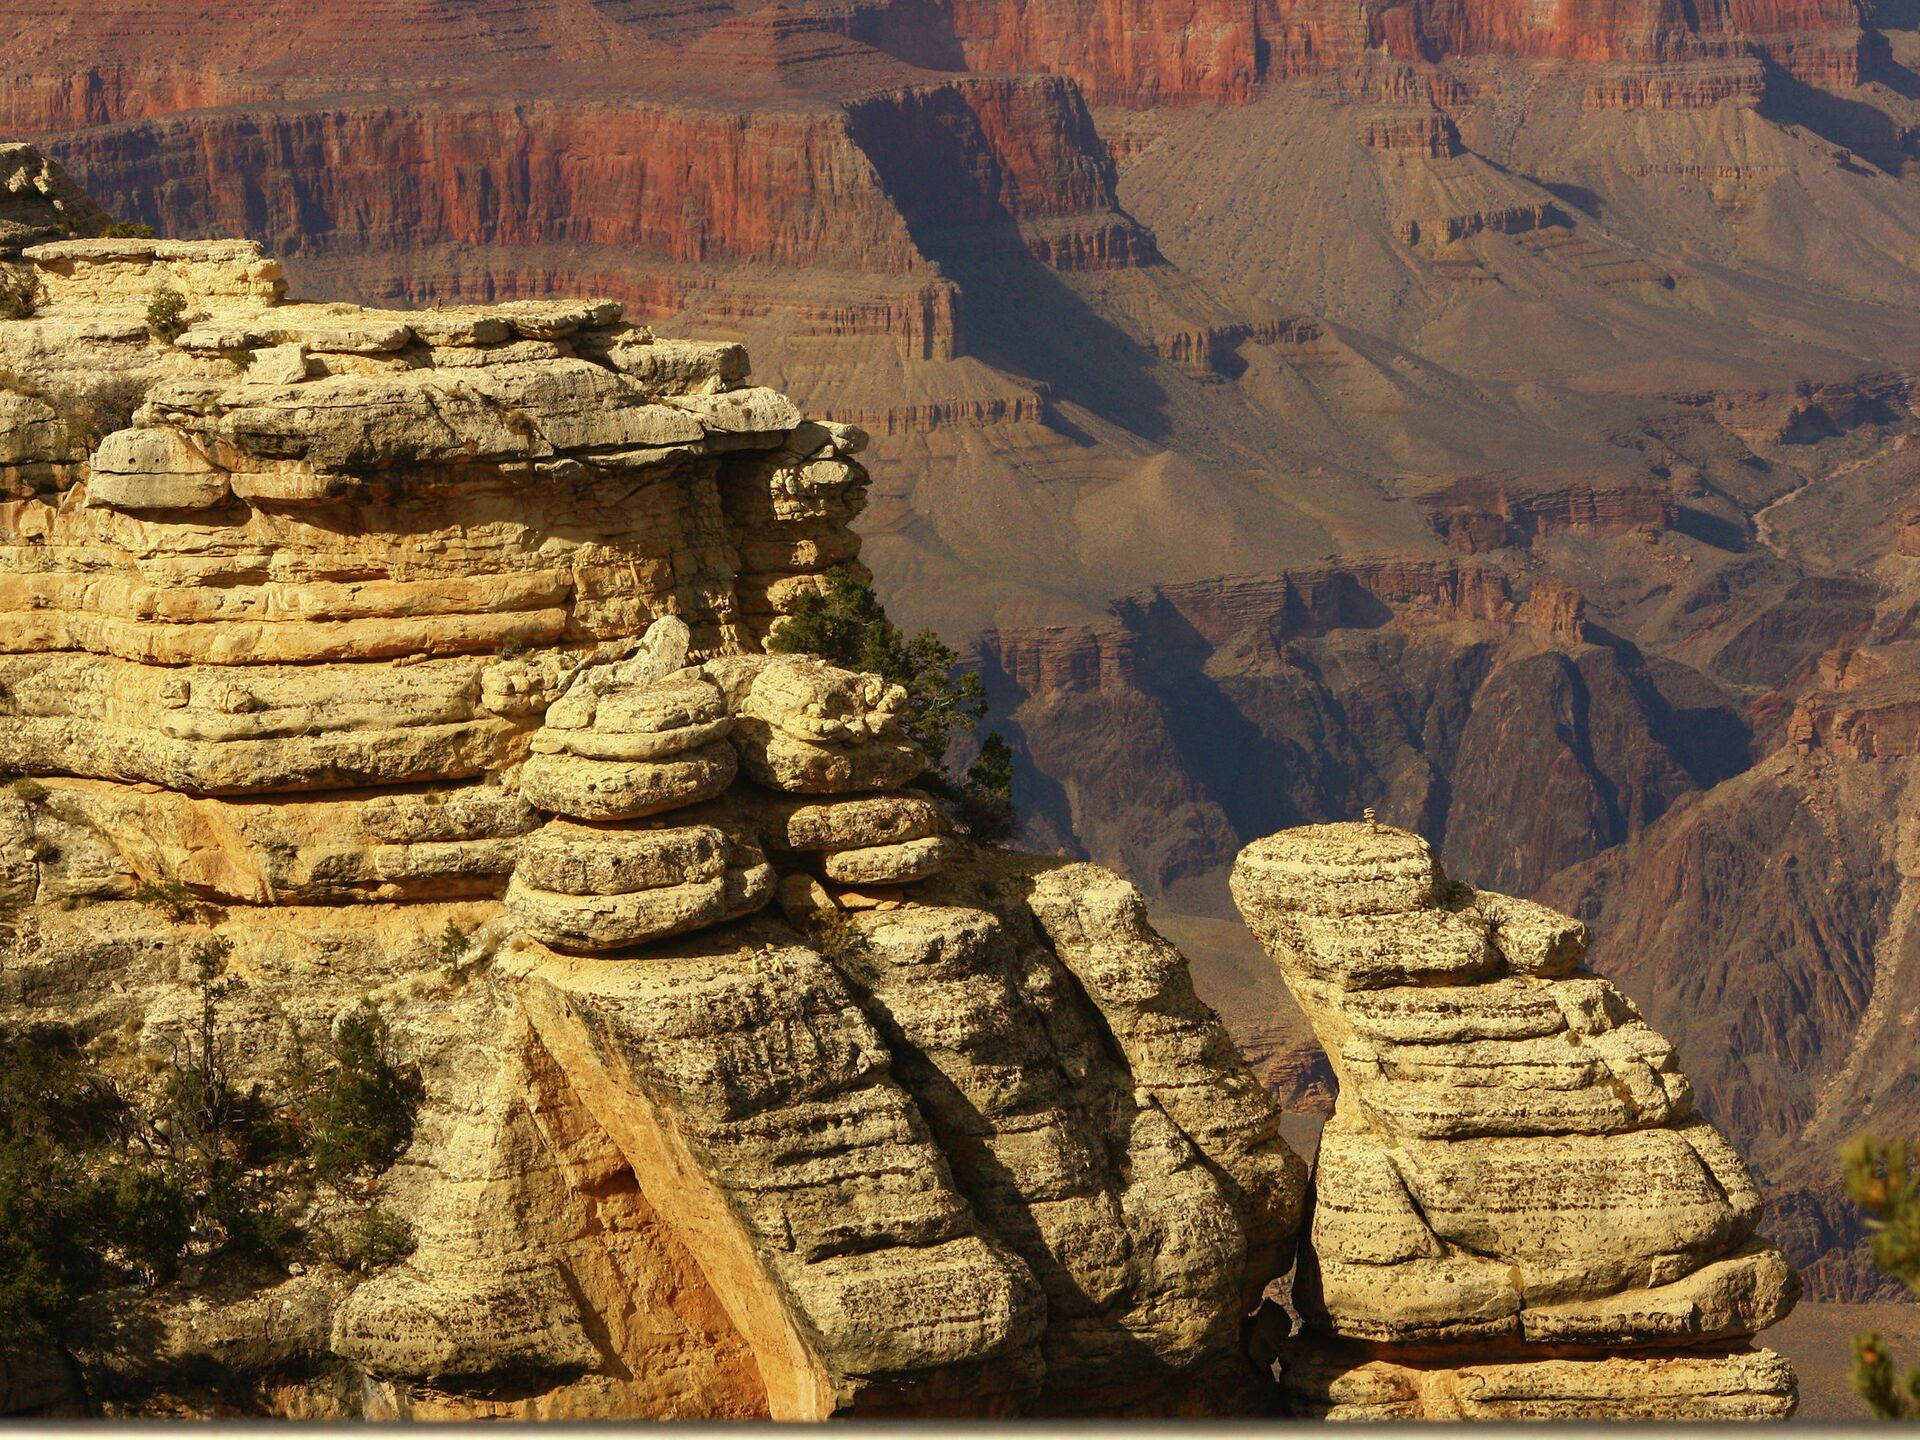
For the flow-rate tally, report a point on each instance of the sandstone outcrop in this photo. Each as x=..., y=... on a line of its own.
x=1516, y=1213
x=418, y=655
x=204, y=603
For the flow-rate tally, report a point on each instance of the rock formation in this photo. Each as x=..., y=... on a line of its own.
x=1516, y=1215
x=419, y=655
x=342, y=630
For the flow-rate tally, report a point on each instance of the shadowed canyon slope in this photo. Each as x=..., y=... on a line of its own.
x=1493, y=414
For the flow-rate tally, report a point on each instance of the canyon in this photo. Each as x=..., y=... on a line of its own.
x=427, y=666
x=1497, y=416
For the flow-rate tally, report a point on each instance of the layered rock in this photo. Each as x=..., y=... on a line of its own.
x=418, y=655
x=1516, y=1213
x=204, y=602
x=1041, y=1225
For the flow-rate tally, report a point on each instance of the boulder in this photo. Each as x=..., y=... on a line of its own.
x=805, y=727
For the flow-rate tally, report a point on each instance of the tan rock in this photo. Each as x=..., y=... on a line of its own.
x=1179, y=1051
x=847, y=823
x=899, y=864
x=805, y=727
x=861, y=839
x=1738, y=1385
x=154, y=470
x=626, y=790
x=1511, y=1160
x=278, y=365
x=586, y=888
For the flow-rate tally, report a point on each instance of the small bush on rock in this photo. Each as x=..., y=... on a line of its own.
x=370, y=1240
x=16, y=297
x=846, y=625
x=82, y=1203
x=453, y=944
x=167, y=315
x=361, y=1116
x=127, y=230
x=233, y=1149
x=169, y=897
x=1882, y=1180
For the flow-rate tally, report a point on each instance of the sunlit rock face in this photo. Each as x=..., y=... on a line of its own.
x=418, y=655
x=1515, y=1212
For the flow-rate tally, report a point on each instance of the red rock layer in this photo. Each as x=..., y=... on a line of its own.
x=1131, y=52
x=150, y=58
x=1475, y=517
x=643, y=200
x=1823, y=42
x=984, y=164
x=1409, y=593
x=683, y=183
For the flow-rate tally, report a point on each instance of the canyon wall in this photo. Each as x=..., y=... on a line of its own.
x=1165, y=319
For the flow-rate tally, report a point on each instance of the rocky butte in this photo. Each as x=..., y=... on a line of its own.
x=752, y=1088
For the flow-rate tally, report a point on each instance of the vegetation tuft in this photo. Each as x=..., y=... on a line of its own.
x=127, y=230
x=361, y=1115
x=16, y=296
x=99, y=1191
x=167, y=315
x=1884, y=1182
x=452, y=946
x=847, y=626
x=170, y=897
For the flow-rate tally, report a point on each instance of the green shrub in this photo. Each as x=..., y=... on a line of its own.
x=16, y=298
x=231, y=1147
x=151, y=1221
x=371, y=1240
x=127, y=230
x=28, y=789
x=167, y=315
x=1883, y=1181
x=170, y=897
x=241, y=359
x=97, y=1192
x=985, y=802
x=81, y=1204
x=362, y=1116
x=453, y=944
x=847, y=626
